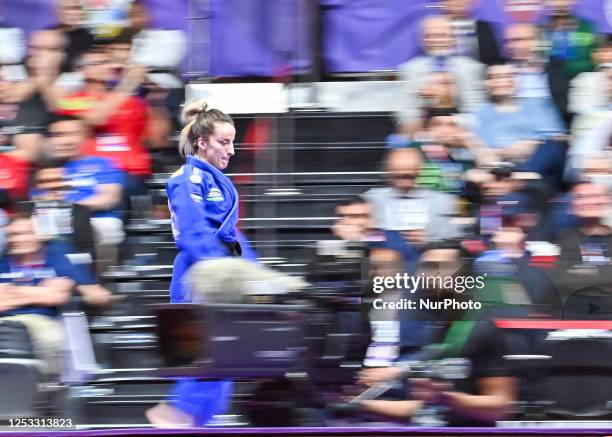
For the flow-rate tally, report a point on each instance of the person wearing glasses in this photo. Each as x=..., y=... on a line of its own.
x=411, y=216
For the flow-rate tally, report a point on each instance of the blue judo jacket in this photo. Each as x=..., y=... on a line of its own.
x=203, y=205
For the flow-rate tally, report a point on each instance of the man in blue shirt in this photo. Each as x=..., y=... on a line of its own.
x=537, y=76
x=67, y=228
x=95, y=182
x=509, y=125
x=523, y=131
x=34, y=282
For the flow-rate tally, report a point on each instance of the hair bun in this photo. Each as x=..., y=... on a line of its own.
x=202, y=106
x=191, y=109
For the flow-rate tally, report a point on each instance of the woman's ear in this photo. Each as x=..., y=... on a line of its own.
x=201, y=143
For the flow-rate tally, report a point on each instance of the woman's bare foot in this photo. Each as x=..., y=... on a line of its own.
x=163, y=415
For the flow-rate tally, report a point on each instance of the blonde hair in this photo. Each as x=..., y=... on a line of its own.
x=199, y=122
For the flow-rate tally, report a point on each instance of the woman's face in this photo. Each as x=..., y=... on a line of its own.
x=218, y=148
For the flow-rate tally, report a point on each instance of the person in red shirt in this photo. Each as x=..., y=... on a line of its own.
x=14, y=179
x=109, y=102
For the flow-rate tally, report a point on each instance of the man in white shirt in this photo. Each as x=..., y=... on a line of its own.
x=438, y=45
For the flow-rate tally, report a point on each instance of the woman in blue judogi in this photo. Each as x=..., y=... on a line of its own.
x=203, y=204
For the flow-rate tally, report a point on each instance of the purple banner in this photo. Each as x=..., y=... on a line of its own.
x=227, y=37
x=29, y=15
x=271, y=37
x=259, y=37
x=37, y=14
x=367, y=35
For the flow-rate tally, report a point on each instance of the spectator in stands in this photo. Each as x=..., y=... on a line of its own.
x=449, y=148
x=439, y=95
x=591, y=131
x=570, y=39
x=138, y=16
x=353, y=219
x=494, y=188
x=438, y=45
x=474, y=38
x=411, y=216
x=415, y=328
x=339, y=262
x=95, y=181
x=445, y=139
x=24, y=106
x=590, y=241
x=597, y=168
x=71, y=16
x=536, y=78
x=119, y=49
x=61, y=219
x=34, y=283
x=517, y=130
x=14, y=178
x=519, y=261
x=118, y=116
x=384, y=346
x=162, y=91
x=585, y=263
x=67, y=228
x=585, y=94
x=485, y=395
x=340, y=259
x=163, y=51
x=157, y=48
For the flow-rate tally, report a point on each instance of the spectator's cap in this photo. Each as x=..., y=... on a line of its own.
x=398, y=141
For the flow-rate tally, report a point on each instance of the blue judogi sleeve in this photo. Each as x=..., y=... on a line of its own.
x=193, y=230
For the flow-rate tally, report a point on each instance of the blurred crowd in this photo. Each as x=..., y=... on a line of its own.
x=80, y=116
x=501, y=165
